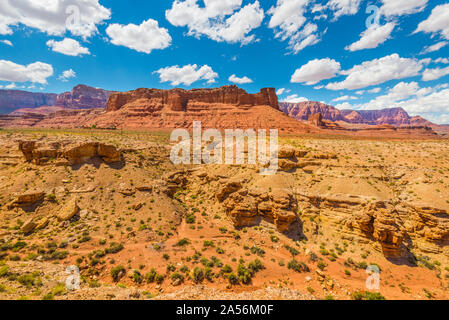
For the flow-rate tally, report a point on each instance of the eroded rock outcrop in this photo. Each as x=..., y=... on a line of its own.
x=379, y=220
x=74, y=152
x=316, y=119
x=247, y=207
x=27, y=199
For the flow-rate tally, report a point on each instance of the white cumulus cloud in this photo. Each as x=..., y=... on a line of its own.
x=434, y=74
x=238, y=80
x=378, y=71
x=280, y=91
x=402, y=7
x=7, y=42
x=315, y=71
x=55, y=17
x=67, y=46
x=373, y=37
x=294, y=98
x=66, y=75
x=219, y=20
x=344, y=7
x=37, y=72
x=437, y=21
x=143, y=38
x=289, y=23
x=435, y=47
x=344, y=98
x=442, y=60
x=187, y=75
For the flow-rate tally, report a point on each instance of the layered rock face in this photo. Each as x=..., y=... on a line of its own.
x=181, y=100
x=83, y=97
x=245, y=207
x=11, y=100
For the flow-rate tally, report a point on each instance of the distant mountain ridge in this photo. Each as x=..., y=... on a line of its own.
x=392, y=116
x=11, y=100
x=81, y=97
x=84, y=97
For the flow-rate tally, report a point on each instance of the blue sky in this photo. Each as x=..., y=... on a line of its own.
x=315, y=50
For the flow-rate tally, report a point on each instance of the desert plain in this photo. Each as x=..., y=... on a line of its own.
x=111, y=204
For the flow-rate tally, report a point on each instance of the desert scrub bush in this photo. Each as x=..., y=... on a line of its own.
x=177, y=279
x=55, y=255
x=114, y=248
x=226, y=269
x=258, y=251
x=223, y=230
x=19, y=245
x=245, y=276
x=425, y=262
x=4, y=270
x=294, y=252
x=233, y=279
x=298, y=266
x=117, y=273
x=367, y=296
x=137, y=277
x=59, y=290
x=48, y=296
x=183, y=242
x=208, y=244
x=154, y=276
x=184, y=269
x=29, y=280
x=190, y=218
x=321, y=265
x=197, y=275
x=171, y=268
x=217, y=262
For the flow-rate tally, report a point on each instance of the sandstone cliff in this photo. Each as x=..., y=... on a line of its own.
x=181, y=100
